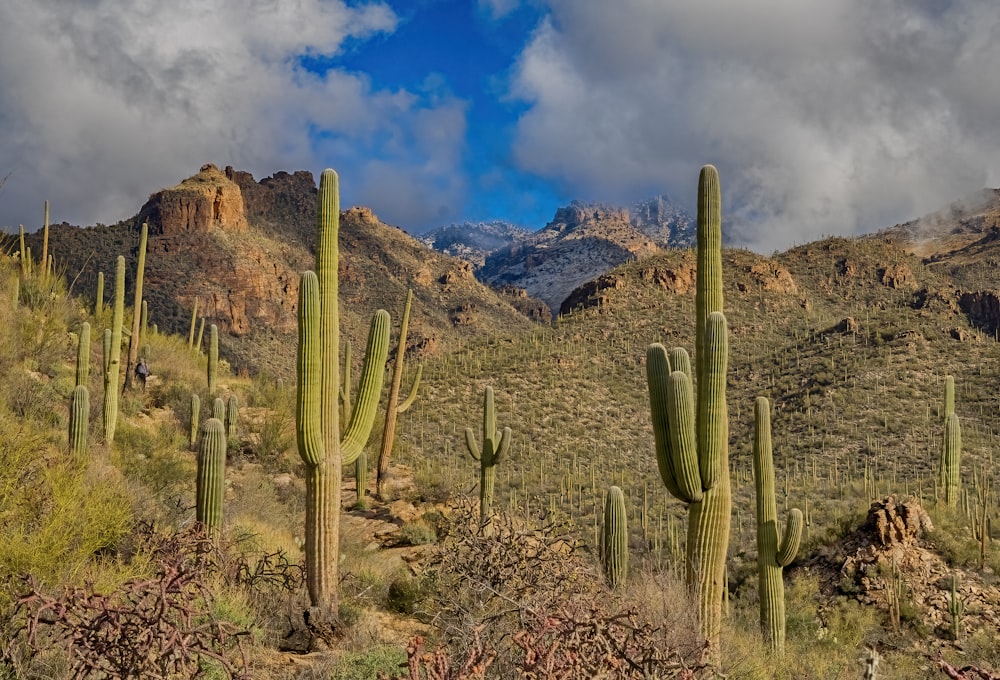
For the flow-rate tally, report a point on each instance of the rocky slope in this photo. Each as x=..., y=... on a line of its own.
x=236, y=247
x=474, y=241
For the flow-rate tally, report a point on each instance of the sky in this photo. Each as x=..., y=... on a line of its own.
x=823, y=117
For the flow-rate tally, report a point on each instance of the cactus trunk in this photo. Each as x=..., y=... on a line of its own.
x=213, y=359
x=113, y=355
x=393, y=407
x=195, y=411
x=83, y=355
x=79, y=420
x=614, y=538
x=135, y=339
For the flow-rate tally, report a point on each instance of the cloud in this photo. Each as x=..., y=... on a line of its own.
x=104, y=102
x=498, y=9
x=823, y=117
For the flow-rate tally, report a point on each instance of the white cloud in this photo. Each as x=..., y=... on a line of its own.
x=823, y=117
x=103, y=102
x=498, y=9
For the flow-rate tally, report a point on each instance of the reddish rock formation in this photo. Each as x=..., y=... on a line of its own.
x=199, y=203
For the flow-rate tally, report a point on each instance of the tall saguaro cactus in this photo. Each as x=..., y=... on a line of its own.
x=692, y=439
x=495, y=446
x=134, y=339
x=211, y=480
x=79, y=420
x=393, y=408
x=83, y=355
x=317, y=421
x=113, y=355
x=773, y=552
x=614, y=538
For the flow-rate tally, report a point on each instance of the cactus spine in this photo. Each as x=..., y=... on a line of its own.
x=393, y=408
x=773, y=551
x=113, y=356
x=195, y=411
x=495, y=446
x=211, y=474
x=79, y=420
x=692, y=443
x=614, y=538
x=83, y=355
x=317, y=423
x=134, y=339
x=213, y=358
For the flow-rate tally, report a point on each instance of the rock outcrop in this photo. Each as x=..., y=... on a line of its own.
x=207, y=200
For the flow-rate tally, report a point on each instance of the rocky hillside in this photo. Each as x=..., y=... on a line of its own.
x=474, y=241
x=235, y=248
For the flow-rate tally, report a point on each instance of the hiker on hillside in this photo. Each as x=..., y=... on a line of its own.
x=141, y=372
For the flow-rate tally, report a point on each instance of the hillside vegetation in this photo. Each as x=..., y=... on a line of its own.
x=105, y=571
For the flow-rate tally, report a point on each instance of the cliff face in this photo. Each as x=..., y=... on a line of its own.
x=196, y=205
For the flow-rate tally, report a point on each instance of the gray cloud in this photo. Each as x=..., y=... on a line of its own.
x=103, y=102
x=823, y=117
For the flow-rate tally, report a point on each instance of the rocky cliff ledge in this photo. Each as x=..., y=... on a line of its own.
x=199, y=203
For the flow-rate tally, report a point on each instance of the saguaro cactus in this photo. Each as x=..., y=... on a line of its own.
x=614, y=538
x=113, y=356
x=692, y=444
x=213, y=358
x=495, y=446
x=99, y=297
x=194, y=319
x=79, y=420
x=393, y=408
x=135, y=339
x=317, y=421
x=773, y=552
x=219, y=409
x=211, y=474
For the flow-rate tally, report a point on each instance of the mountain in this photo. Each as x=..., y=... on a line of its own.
x=236, y=247
x=474, y=241
x=581, y=242
x=669, y=225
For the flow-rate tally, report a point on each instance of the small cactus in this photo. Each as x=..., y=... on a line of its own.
x=956, y=608
x=232, y=416
x=614, y=538
x=195, y=411
x=495, y=445
x=211, y=474
x=219, y=409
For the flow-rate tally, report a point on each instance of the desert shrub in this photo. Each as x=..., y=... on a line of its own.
x=417, y=532
x=406, y=594
x=377, y=662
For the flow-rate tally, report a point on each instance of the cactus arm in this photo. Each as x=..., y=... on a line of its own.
x=134, y=339
x=791, y=538
x=683, y=443
x=307, y=404
x=657, y=374
x=412, y=397
x=680, y=361
x=501, y=448
x=713, y=418
x=470, y=442
x=79, y=420
x=195, y=412
x=370, y=390
x=345, y=387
